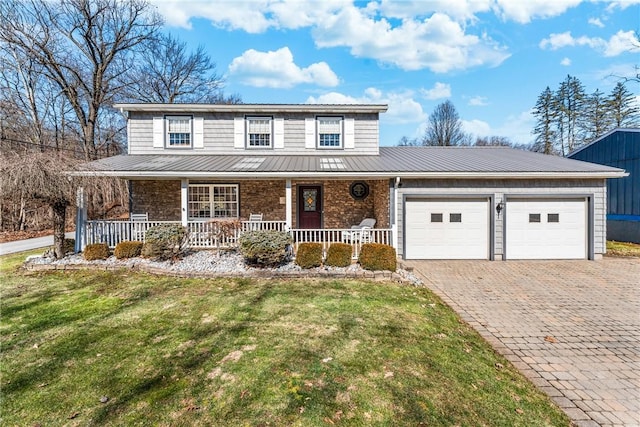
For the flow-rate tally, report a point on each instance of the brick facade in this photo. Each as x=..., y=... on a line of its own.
x=161, y=200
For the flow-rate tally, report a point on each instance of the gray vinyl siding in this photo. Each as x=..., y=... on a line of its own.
x=219, y=135
x=509, y=188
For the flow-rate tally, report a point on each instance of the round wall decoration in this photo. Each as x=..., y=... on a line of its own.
x=359, y=190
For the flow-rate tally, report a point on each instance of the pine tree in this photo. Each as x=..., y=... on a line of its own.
x=569, y=104
x=545, y=114
x=597, y=117
x=620, y=104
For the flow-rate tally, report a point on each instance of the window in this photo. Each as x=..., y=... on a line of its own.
x=534, y=217
x=259, y=132
x=179, y=131
x=436, y=217
x=213, y=201
x=553, y=217
x=455, y=217
x=330, y=132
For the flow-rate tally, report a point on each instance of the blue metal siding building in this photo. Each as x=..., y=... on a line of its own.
x=619, y=148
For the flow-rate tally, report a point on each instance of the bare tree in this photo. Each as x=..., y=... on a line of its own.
x=167, y=73
x=493, y=141
x=444, y=127
x=83, y=46
x=45, y=177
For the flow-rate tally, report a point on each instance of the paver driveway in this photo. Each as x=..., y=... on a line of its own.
x=572, y=327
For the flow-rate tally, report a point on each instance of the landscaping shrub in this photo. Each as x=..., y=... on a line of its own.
x=265, y=248
x=96, y=251
x=69, y=245
x=127, y=249
x=165, y=241
x=376, y=256
x=339, y=255
x=309, y=255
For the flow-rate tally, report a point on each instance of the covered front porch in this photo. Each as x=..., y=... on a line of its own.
x=322, y=211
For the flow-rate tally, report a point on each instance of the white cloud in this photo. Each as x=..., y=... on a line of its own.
x=402, y=107
x=477, y=127
x=565, y=61
x=277, y=69
x=437, y=43
x=517, y=128
x=524, y=11
x=438, y=91
x=461, y=10
x=618, y=43
x=478, y=101
x=596, y=21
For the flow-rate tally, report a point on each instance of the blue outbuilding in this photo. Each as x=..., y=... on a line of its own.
x=619, y=148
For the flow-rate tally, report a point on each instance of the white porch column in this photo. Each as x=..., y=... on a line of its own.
x=394, y=225
x=288, y=205
x=184, y=201
x=81, y=219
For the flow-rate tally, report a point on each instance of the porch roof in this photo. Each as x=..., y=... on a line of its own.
x=404, y=162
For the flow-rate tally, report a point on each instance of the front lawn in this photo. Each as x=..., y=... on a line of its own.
x=623, y=249
x=103, y=348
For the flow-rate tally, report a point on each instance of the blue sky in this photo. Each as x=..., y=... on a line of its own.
x=491, y=58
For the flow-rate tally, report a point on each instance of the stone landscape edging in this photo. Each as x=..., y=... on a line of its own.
x=266, y=274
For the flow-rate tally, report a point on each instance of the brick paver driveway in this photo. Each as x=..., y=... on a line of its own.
x=572, y=327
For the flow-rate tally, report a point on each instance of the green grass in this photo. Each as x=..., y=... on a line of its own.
x=623, y=249
x=236, y=352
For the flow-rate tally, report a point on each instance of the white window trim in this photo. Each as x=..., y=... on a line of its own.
x=166, y=133
x=271, y=133
x=339, y=147
x=212, y=201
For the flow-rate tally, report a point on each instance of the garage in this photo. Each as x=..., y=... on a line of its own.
x=546, y=228
x=447, y=228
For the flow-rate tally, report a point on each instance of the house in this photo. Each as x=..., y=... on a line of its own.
x=317, y=170
x=619, y=148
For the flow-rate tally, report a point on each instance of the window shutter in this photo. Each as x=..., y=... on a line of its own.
x=278, y=133
x=198, y=132
x=238, y=132
x=349, y=133
x=309, y=133
x=158, y=132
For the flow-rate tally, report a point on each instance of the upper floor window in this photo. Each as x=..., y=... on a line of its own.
x=330, y=132
x=259, y=132
x=179, y=133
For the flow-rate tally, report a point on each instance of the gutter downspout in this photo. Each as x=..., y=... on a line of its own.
x=394, y=222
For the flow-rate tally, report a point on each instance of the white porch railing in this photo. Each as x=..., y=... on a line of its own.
x=202, y=234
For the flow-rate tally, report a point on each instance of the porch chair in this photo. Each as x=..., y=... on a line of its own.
x=254, y=222
x=360, y=233
x=138, y=228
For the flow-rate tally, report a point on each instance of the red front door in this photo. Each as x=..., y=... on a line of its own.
x=309, y=206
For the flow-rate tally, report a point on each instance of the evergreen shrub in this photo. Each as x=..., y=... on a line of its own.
x=309, y=255
x=376, y=256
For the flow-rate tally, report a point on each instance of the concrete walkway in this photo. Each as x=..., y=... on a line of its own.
x=28, y=244
x=572, y=327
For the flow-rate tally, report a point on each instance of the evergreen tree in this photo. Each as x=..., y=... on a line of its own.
x=597, y=118
x=624, y=111
x=545, y=134
x=569, y=104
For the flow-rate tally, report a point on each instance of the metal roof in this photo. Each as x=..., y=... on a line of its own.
x=406, y=162
x=255, y=108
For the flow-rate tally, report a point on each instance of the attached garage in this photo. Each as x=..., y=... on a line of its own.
x=447, y=228
x=546, y=228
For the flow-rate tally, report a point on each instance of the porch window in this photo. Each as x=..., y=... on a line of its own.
x=213, y=201
x=178, y=131
x=330, y=132
x=259, y=132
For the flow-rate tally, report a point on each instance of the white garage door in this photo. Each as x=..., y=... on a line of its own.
x=447, y=229
x=546, y=229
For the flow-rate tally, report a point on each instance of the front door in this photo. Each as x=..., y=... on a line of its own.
x=309, y=206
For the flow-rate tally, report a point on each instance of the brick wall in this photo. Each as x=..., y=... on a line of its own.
x=160, y=199
x=262, y=197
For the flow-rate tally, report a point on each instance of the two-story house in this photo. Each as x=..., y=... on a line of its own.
x=318, y=170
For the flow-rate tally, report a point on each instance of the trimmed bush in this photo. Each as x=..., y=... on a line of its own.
x=376, y=256
x=309, y=255
x=265, y=247
x=96, y=251
x=339, y=255
x=165, y=241
x=127, y=249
